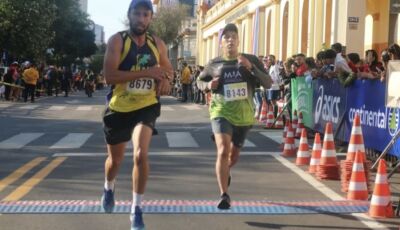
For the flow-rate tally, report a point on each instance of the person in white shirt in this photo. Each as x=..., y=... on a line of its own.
x=273, y=94
x=340, y=62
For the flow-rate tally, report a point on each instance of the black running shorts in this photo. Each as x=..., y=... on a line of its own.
x=118, y=127
x=238, y=133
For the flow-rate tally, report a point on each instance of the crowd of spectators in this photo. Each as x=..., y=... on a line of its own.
x=18, y=82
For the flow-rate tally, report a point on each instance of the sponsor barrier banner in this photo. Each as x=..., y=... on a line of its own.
x=329, y=104
x=379, y=123
x=302, y=97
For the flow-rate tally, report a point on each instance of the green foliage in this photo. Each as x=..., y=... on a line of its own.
x=74, y=37
x=167, y=21
x=29, y=28
x=25, y=27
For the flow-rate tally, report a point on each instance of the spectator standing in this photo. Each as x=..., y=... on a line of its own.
x=185, y=81
x=30, y=76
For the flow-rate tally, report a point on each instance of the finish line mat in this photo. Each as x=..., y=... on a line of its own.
x=185, y=207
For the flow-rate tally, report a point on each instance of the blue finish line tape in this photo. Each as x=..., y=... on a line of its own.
x=185, y=207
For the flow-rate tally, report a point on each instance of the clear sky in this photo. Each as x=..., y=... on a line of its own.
x=110, y=14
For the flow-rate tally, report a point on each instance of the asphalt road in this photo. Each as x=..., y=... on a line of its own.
x=53, y=150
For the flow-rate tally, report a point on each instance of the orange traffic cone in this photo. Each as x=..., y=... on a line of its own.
x=316, y=154
x=328, y=167
x=300, y=125
x=284, y=134
x=279, y=121
x=303, y=154
x=358, y=182
x=294, y=120
x=356, y=140
x=356, y=143
x=263, y=115
x=289, y=147
x=270, y=118
x=381, y=205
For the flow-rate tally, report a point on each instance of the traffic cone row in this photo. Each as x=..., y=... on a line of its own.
x=315, y=154
x=300, y=125
x=381, y=205
x=270, y=117
x=358, y=183
x=289, y=149
x=263, y=115
x=303, y=154
x=284, y=133
x=328, y=167
x=356, y=144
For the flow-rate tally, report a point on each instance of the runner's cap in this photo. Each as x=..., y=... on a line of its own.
x=230, y=27
x=135, y=3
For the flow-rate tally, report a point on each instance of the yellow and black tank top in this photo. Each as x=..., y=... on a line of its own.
x=135, y=95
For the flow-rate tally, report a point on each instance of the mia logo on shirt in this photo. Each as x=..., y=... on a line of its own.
x=231, y=75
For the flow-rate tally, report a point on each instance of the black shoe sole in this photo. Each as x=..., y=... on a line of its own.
x=224, y=204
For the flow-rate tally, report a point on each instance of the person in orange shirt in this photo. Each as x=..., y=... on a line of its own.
x=30, y=76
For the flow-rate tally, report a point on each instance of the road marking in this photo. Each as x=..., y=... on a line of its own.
x=192, y=107
x=181, y=140
x=166, y=108
x=172, y=153
x=273, y=136
x=84, y=108
x=363, y=218
x=185, y=206
x=72, y=140
x=19, y=141
x=248, y=143
x=4, y=105
x=29, y=107
x=20, y=172
x=26, y=187
x=56, y=108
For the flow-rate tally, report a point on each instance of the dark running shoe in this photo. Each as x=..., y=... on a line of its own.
x=107, y=201
x=225, y=202
x=137, y=219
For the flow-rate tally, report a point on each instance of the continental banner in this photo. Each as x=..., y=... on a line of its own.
x=379, y=123
x=302, y=96
x=329, y=105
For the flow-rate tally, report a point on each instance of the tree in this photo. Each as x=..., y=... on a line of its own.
x=167, y=21
x=74, y=36
x=25, y=27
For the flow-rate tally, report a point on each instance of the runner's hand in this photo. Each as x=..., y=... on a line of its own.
x=243, y=61
x=163, y=87
x=157, y=73
x=213, y=84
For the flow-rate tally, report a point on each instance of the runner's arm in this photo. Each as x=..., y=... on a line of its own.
x=111, y=63
x=164, y=61
x=203, y=79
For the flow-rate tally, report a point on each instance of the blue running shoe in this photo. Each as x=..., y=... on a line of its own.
x=137, y=219
x=107, y=201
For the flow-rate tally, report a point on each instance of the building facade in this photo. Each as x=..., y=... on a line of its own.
x=99, y=34
x=287, y=27
x=184, y=49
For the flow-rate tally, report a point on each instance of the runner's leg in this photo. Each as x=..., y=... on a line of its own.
x=223, y=143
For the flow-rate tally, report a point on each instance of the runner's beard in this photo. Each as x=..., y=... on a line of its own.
x=137, y=31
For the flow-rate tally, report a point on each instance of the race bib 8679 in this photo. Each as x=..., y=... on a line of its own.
x=141, y=86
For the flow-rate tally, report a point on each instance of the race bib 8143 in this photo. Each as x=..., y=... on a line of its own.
x=235, y=91
x=141, y=86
